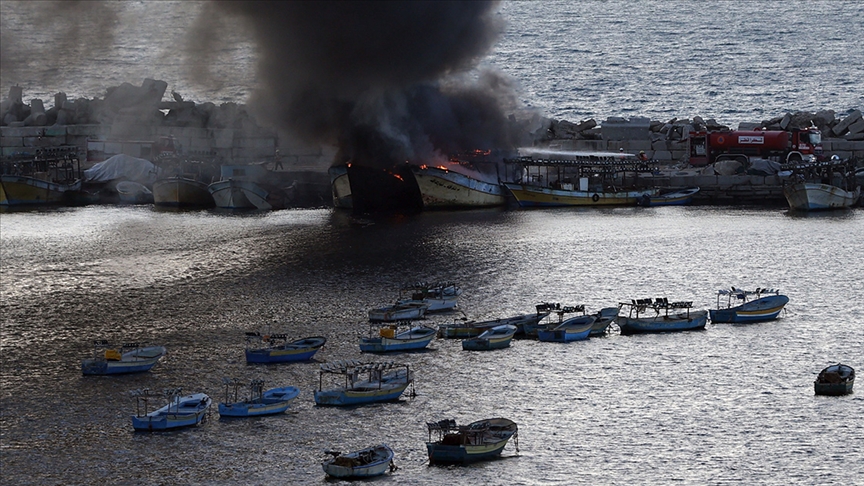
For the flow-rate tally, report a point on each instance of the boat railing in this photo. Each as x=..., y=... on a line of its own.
x=742, y=295
x=353, y=370
x=658, y=305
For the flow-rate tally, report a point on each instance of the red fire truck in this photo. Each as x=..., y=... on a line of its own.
x=782, y=146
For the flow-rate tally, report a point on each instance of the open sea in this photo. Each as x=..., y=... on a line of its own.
x=730, y=404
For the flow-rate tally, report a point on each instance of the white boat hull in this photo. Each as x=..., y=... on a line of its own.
x=239, y=194
x=808, y=196
x=446, y=189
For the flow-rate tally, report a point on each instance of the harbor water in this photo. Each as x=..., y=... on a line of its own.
x=729, y=404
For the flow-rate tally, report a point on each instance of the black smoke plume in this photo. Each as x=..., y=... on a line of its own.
x=386, y=82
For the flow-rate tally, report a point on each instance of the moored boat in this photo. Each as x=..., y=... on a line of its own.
x=131, y=192
x=581, y=179
x=260, y=401
x=835, y=380
x=362, y=383
x=399, y=312
x=341, y=187
x=676, y=197
x=179, y=191
x=738, y=307
x=603, y=319
x=275, y=348
x=49, y=176
x=390, y=338
x=807, y=196
x=477, y=441
x=555, y=315
x=181, y=411
x=441, y=187
x=497, y=337
x=438, y=296
x=660, y=315
x=467, y=329
x=573, y=329
x=239, y=194
x=128, y=358
x=365, y=463
x=815, y=186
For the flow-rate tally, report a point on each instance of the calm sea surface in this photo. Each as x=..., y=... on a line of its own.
x=573, y=60
x=730, y=404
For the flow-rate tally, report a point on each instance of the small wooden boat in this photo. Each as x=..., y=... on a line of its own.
x=275, y=348
x=816, y=186
x=738, y=308
x=835, y=380
x=496, y=338
x=573, y=329
x=467, y=329
x=131, y=192
x=365, y=463
x=181, y=411
x=50, y=176
x=555, y=315
x=399, y=312
x=438, y=296
x=179, y=191
x=260, y=402
x=362, y=383
x=128, y=358
x=389, y=339
x=677, y=197
x=604, y=318
x=239, y=194
x=660, y=316
x=481, y=440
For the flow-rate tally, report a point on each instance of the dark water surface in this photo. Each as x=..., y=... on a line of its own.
x=731, y=404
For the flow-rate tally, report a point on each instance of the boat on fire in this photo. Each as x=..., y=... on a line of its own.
x=275, y=348
x=451, y=187
x=498, y=337
x=259, y=402
x=181, y=411
x=361, y=383
x=400, y=336
x=477, y=441
x=365, y=463
x=579, y=179
x=743, y=306
x=835, y=380
x=660, y=315
x=128, y=358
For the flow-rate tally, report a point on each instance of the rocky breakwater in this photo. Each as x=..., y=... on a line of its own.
x=729, y=182
x=131, y=119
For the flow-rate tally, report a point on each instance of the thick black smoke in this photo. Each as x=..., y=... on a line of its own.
x=385, y=81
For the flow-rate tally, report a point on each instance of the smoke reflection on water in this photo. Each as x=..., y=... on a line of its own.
x=731, y=403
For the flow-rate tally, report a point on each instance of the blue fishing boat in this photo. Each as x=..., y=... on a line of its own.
x=260, y=402
x=275, y=348
x=835, y=380
x=573, y=329
x=390, y=339
x=765, y=305
x=181, y=411
x=400, y=311
x=554, y=316
x=128, y=358
x=496, y=338
x=660, y=315
x=365, y=463
x=603, y=319
x=478, y=441
x=362, y=383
